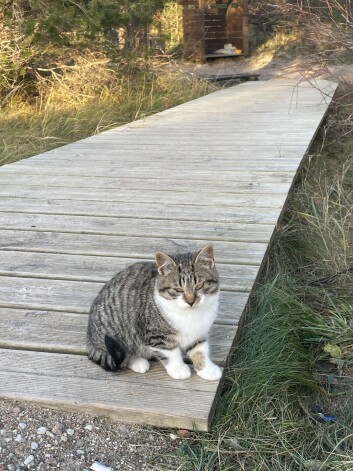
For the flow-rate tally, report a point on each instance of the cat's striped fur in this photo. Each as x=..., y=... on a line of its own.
x=157, y=310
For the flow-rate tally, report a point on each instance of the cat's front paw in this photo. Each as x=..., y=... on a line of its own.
x=179, y=372
x=139, y=365
x=211, y=372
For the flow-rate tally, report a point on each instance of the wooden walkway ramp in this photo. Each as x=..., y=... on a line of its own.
x=216, y=169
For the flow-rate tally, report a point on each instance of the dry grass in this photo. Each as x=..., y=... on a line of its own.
x=86, y=98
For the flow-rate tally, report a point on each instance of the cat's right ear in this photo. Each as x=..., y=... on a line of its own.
x=165, y=264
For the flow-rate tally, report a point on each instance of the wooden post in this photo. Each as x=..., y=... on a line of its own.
x=245, y=28
x=194, y=31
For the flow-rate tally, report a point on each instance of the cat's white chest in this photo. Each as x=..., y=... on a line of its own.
x=190, y=323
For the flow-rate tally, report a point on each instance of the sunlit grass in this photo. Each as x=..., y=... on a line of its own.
x=86, y=99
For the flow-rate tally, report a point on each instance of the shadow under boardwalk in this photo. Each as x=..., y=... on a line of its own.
x=217, y=169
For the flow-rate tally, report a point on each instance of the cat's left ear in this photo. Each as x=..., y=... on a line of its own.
x=165, y=264
x=206, y=256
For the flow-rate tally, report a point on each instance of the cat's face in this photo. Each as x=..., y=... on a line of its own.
x=188, y=280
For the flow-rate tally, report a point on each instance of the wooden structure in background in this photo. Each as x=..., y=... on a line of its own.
x=210, y=24
x=73, y=217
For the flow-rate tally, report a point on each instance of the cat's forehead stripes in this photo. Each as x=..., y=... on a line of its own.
x=186, y=268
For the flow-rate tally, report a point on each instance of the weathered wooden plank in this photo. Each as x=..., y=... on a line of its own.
x=143, y=149
x=197, y=186
x=77, y=296
x=133, y=154
x=150, y=196
x=148, y=228
x=99, y=269
x=254, y=224
x=53, y=331
x=41, y=171
x=121, y=246
x=269, y=135
x=146, y=404
x=62, y=365
x=109, y=167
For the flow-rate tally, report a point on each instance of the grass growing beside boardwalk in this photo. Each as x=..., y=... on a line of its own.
x=90, y=97
x=295, y=350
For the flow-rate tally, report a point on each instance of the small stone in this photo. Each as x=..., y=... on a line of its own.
x=42, y=467
x=18, y=438
x=16, y=410
x=96, y=466
x=79, y=442
x=28, y=460
x=63, y=438
x=173, y=436
x=89, y=427
x=52, y=461
x=34, y=446
x=49, y=434
x=11, y=467
x=8, y=440
x=183, y=433
x=22, y=425
x=42, y=430
x=123, y=428
x=80, y=452
x=70, y=431
x=58, y=429
x=2, y=467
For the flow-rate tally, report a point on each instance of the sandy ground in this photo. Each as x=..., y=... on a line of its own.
x=269, y=67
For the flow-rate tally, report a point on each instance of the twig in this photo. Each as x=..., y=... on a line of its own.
x=9, y=95
x=328, y=277
x=245, y=452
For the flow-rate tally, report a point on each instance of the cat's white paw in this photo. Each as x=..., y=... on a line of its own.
x=179, y=372
x=211, y=372
x=139, y=365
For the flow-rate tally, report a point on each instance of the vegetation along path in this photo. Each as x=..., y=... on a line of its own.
x=218, y=168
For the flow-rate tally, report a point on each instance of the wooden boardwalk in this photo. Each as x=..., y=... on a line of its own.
x=216, y=169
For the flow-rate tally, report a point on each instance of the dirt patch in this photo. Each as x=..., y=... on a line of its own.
x=271, y=66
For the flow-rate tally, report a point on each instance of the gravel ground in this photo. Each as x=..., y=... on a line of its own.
x=41, y=439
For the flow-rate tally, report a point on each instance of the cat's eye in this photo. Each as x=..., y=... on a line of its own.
x=179, y=290
x=199, y=286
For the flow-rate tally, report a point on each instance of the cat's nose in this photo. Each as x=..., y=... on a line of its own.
x=190, y=298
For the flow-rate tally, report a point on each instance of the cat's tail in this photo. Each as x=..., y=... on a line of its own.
x=110, y=359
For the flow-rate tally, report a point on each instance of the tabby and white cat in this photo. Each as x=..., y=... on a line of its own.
x=157, y=310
